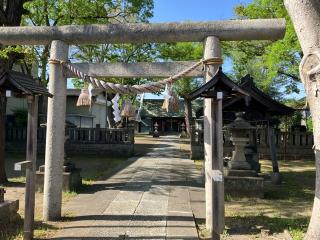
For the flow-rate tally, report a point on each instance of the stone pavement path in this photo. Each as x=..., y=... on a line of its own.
x=148, y=199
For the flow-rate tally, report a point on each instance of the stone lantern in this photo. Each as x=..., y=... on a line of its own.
x=2, y=192
x=156, y=132
x=239, y=130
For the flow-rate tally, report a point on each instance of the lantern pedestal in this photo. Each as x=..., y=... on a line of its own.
x=241, y=179
x=8, y=209
x=71, y=178
x=238, y=160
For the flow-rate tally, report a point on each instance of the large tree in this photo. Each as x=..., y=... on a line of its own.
x=274, y=65
x=10, y=15
x=305, y=15
x=67, y=12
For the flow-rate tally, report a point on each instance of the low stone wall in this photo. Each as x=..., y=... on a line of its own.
x=125, y=149
x=99, y=149
x=93, y=141
x=293, y=145
x=290, y=153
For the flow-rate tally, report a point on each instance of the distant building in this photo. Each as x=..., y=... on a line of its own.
x=81, y=117
x=167, y=121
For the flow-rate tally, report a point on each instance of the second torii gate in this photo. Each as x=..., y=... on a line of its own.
x=60, y=37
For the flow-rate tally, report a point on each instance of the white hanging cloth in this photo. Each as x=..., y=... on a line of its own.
x=138, y=116
x=115, y=107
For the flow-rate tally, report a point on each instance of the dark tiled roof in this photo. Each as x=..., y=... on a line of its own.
x=243, y=97
x=219, y=83
x=152, y=108
x=22, y=83
x=247, y=83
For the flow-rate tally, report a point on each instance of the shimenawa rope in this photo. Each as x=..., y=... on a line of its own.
x=134, y=89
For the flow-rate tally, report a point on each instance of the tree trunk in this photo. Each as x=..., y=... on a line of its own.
x=3, y=176
x=305, y=15
x=188, y=115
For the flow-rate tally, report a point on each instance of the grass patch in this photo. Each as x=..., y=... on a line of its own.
x=94, y=167
x=20, y=179
x=198, y=164
x=68, y=195
x=285, y=207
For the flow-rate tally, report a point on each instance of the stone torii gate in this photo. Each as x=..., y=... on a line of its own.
x=60, y=37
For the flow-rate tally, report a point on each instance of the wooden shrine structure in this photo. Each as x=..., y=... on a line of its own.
x=258, y=107
x=60, y=37
x=22, y=85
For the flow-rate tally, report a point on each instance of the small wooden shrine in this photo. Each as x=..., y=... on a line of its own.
x=256, y=105
x=21, y=85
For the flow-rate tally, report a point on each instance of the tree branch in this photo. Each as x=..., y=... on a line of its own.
x=289, y=75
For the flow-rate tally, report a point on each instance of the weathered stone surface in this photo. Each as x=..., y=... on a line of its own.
x=126, y=150
x=149, y=199
x=232, y=30
x=8, y=211
x=240, y=173
x=71, y=180
x=55, y=136
x=244, y=186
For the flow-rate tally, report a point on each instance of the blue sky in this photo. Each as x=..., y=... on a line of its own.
x=194, y=10
x=199, y=10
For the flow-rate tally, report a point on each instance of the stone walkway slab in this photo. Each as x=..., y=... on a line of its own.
x=148, y=199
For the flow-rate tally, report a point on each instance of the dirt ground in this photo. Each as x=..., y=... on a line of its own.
x=284, y=212
x=285, y=208
x=93, y=168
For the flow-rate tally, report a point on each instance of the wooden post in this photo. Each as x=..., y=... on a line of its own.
x=217, y=168
x=212, y=49
x=275, y=176
x=273, y=149
x=55, y=134
x=31, y=172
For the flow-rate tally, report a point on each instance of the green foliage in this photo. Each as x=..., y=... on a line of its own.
x=296, y=118
x=182, y=52
x=309, y=124
x=63, y=12
x=270, y=63
x=68, y=12
x=21, y=117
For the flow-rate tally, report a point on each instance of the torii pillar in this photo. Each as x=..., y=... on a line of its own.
x=54, y=154
x=213, y=146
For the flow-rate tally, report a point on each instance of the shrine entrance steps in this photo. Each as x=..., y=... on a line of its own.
x=149, y=198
